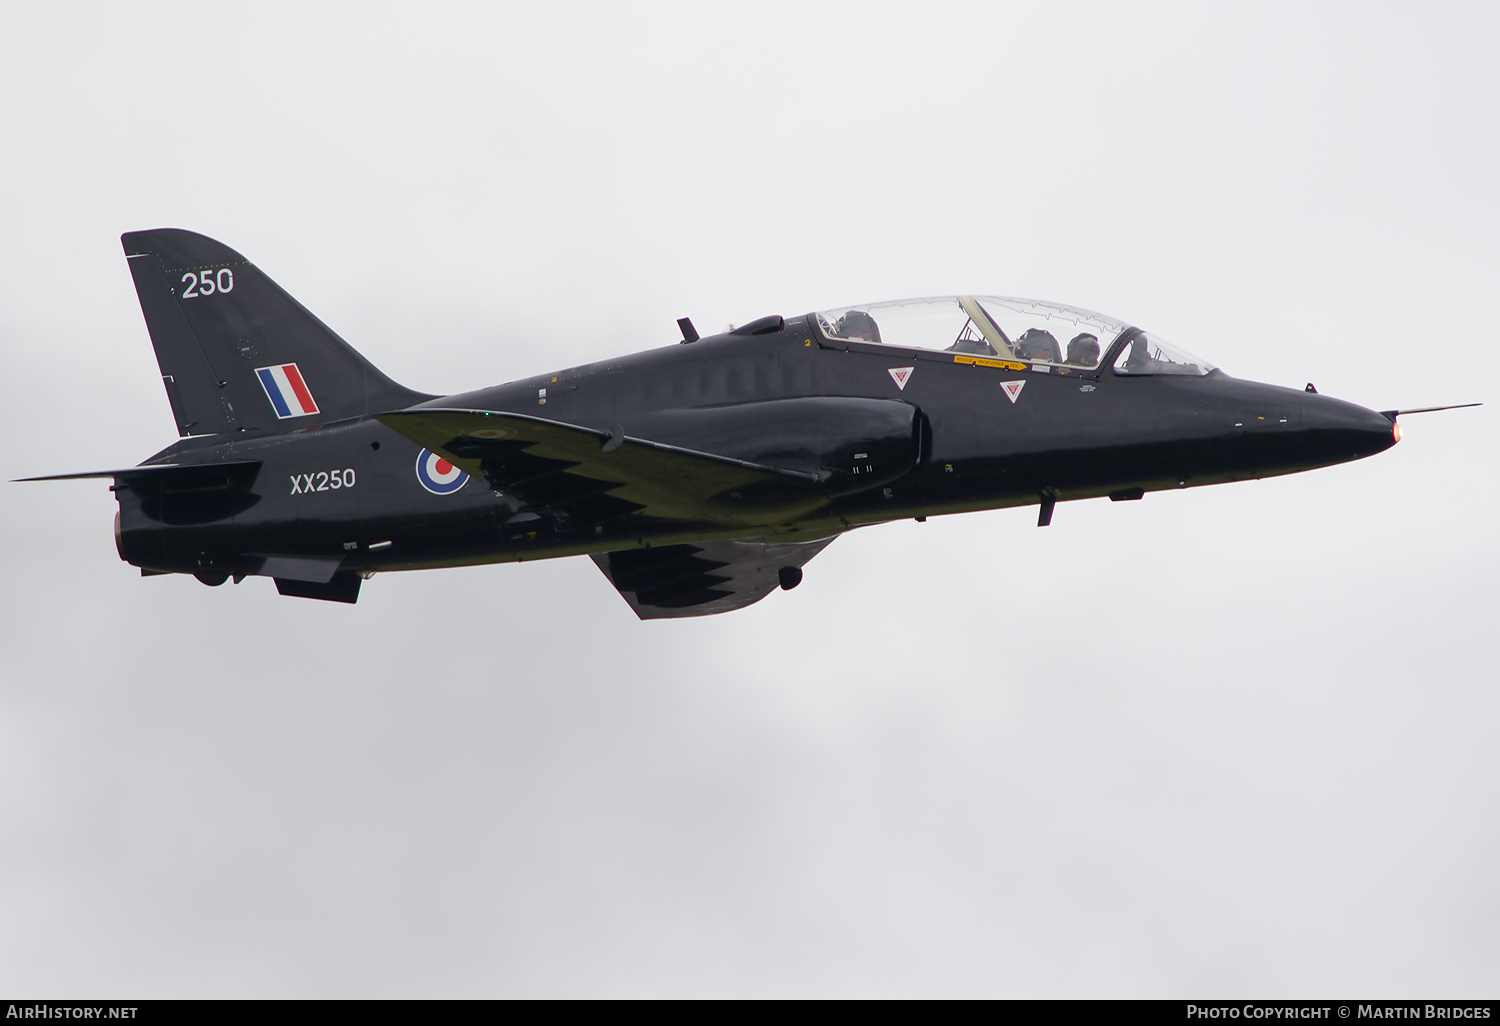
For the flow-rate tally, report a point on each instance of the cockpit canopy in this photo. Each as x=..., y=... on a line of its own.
x=1046, y=335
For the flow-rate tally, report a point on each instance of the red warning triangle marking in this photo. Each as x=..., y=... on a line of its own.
x=901, y=375
x=1012, y=389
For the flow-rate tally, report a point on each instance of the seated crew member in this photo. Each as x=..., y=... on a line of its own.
x=1083, y=350
x=858, y=325
x=1037, y=344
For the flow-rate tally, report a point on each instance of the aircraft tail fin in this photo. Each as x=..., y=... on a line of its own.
x=238, y=353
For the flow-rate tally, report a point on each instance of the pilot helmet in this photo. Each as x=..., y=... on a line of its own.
x=1083, y=350
x=1036, y=344
x=860, y=325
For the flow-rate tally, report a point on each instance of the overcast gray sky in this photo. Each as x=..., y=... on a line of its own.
x=1235, y=741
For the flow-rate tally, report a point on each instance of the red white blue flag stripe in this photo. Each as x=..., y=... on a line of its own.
x=286, y=390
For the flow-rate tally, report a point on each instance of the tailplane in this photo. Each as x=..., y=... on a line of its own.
x=237, y=353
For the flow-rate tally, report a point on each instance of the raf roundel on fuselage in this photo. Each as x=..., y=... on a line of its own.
x=437, y=475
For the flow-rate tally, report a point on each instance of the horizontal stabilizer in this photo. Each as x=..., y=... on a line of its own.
x=99, y=473
x=542, y=461
x=148, y=471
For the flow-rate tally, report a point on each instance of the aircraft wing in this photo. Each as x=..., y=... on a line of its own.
x=704, y=577
x=593, y=474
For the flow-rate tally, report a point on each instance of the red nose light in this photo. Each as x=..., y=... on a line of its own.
x=1395, y=431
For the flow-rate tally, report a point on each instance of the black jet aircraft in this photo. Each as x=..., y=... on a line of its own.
x=699, y=476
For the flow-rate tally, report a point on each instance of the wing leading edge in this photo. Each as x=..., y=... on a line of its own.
x=547, y=463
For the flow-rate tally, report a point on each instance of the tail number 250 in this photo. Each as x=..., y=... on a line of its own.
x=199, y=284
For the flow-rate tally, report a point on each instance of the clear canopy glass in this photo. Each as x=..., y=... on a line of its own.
x=1047, y=336
x=1148, y=354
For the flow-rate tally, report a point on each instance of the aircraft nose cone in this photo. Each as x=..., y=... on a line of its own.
x=1346, y=431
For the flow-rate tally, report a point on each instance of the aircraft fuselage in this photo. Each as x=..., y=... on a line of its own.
x=353, y=487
